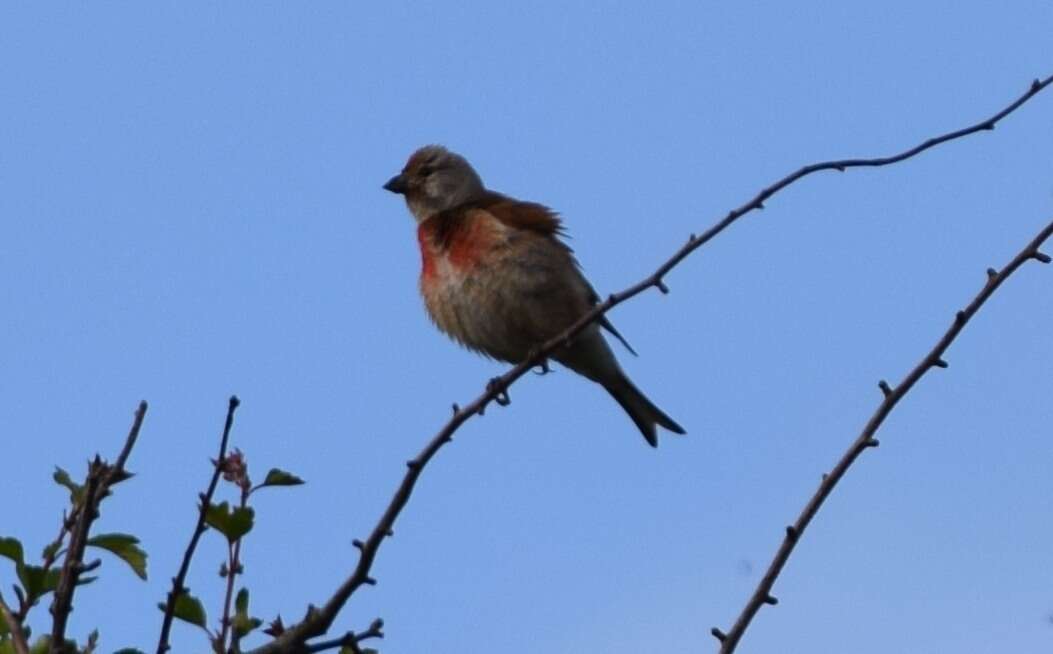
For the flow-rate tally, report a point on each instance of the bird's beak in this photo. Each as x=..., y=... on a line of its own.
x=396, y=184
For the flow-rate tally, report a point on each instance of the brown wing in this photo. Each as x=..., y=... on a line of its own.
x=522, y=215
x=539, y=218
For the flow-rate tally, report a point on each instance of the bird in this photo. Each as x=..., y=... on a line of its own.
x=497, y=277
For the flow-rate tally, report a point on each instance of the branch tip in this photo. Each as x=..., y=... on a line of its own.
x=369, y=581
x=359, y=544
x=939, y=363
x=771, y=600
x=992, y=273
x=1041, y=257
x=872, y=442
x=660, y=285
x=718, y=634
x=885, y=388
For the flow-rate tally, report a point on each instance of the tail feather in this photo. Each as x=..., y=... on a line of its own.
x=641, y=410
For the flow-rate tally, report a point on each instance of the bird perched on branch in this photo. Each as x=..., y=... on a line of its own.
x=496, y=277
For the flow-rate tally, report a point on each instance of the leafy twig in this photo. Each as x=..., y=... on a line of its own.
x=14, y=626
x=178, y=587
x=101, y=476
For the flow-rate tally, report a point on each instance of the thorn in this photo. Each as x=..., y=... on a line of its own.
x=885, y=388
x=692, y=238
x=939, y=363
x=370, y=581
x=791, y=532
x=825, y=476
x=1035, y=85
x=960, y=317
x=718, y=634
x=1041, y=256
x=991, y=273
x=456, y=409
x=771, y=600
x=660, y=285
x=359, y=544
x=872, y=442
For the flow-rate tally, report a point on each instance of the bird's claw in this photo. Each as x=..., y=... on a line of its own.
x=500, y=394
x=543, y=366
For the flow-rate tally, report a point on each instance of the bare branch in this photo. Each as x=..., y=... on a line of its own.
x=350, y=640
x=14, y=626
x=178, y=587
x=97, y=485
x=318, y=620
x=866, y=439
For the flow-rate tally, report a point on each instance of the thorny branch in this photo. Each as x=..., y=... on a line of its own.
x=318, y=620
x=934, y=359
x=101, y=476
x=178, y=587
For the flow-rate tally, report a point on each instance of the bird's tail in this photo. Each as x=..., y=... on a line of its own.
x=643, y=412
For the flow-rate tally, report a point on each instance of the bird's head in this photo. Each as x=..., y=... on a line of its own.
x=435, y=179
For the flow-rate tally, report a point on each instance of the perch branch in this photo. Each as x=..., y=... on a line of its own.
x=318, y=620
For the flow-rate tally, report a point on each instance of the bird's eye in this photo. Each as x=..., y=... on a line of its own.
x=426, y=170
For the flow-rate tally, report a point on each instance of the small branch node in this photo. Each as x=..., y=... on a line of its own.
x=885, y=388
x=456, y=408
x=991, y=274
x=771, y=600
x=988, y=126
x=359, y=544
x=791, y=532
x=1041, y=257
x=369, y=581
x=660, y=285
x=760, y=206
x=718, y=634
x=939, y=363
x=872, y=442
x=412, y=464
x=960, y=317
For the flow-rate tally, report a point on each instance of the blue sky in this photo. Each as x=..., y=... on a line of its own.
x=190, y=207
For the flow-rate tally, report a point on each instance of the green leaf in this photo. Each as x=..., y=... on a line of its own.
x=189, y=609
x=62, y=478
x=12, y=549
x=278, y=477
x=231, y=523
x=242, y=622
x=6, y=647
x=37, y=581
x=125, y=547
x=241, y=602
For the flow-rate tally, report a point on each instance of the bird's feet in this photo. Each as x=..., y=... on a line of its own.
x=500, y=395
x=542, y=365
